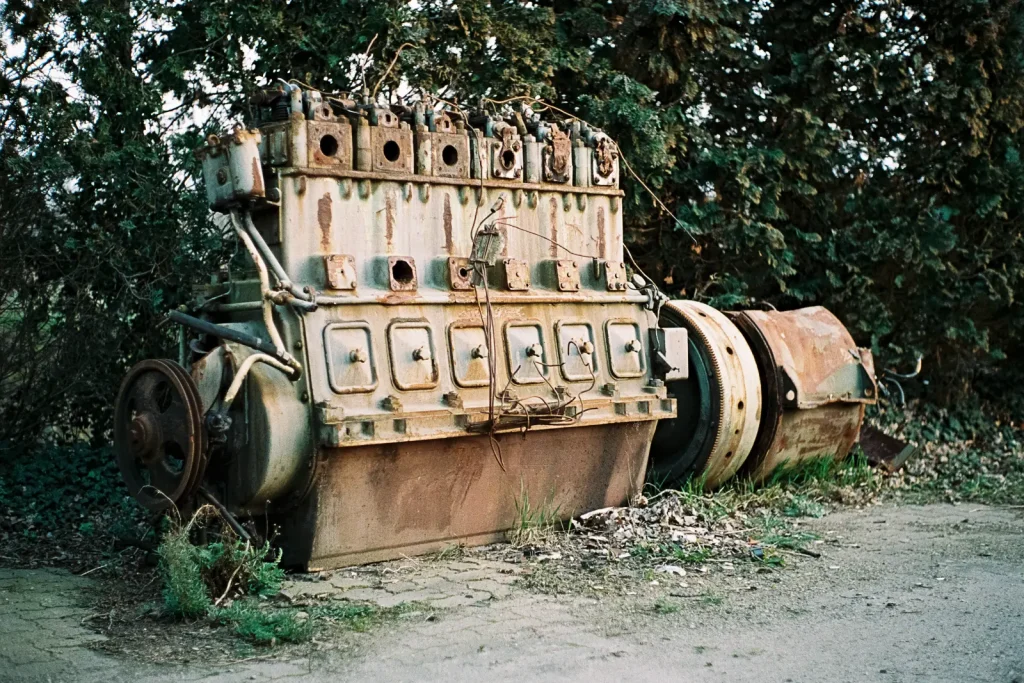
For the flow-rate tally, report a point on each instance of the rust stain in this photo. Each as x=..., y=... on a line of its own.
x=554, y=227
x=389, y=218
x=257, y=177
x=448, y=243
x=323, y=217
x=602, y=246
x=503, y=230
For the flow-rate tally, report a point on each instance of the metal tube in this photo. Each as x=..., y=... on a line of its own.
x=237, y=336
x=268, y=306
x=275, y=265
x=243, y=370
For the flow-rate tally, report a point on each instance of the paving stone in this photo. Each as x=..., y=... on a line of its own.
x=346, y=582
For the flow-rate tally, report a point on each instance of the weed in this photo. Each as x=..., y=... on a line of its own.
x=362, y=617
x=452, y=551
x=265, y=626
x=532, y=525
x=197, y=576
x=185, y=592
x=711, y=600
x=663, y=606
x=696, y=556
x=802, y=506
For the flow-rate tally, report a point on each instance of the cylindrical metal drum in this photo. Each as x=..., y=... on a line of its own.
x=815, y=382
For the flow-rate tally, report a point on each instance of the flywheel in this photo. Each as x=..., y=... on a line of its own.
x=159, y=440
x=719, y=405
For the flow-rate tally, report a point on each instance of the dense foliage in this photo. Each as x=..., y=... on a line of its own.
x=863, y=154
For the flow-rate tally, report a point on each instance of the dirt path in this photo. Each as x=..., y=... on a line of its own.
x=919, y=594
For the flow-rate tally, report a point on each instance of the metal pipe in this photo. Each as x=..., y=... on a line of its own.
x=268, y=306
x=237, y=336
x=234, y=307
x=243, y=370
x=275, y=265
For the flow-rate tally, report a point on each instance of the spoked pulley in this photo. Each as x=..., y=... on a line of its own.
x=159, y=440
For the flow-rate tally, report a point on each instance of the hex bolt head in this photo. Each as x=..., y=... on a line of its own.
x=634, y=346
x=534, y=351
x=358, y=356
x=479, y=352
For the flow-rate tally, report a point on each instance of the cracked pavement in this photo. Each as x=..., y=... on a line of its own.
x=923, y=594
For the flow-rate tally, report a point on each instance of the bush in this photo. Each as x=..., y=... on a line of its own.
x=198, y=576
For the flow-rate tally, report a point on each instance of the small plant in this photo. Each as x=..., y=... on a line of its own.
x=185, y=592
x=802, y=506
x=452, y=551
x=262, y=626
x=532, y=525
x=197, y=577
x=711, y=600
x=663, y=606
x=695, y=556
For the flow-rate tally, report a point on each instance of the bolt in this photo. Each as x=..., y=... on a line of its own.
x=422, y=353
x=534, y=351
x=479, y=352
x=358, y=356
x=298, y=345
x=634, y=346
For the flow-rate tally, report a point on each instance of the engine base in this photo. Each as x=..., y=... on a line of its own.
x=380, y=502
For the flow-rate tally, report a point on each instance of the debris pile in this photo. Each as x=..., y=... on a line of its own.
x=672, y=522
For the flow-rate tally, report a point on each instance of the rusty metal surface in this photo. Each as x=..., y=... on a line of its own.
x=379, y=502
x=159, y=441
x=815, y=383
x=883, y=450
x=822, y=363
x=411, y=353
x=734, y=403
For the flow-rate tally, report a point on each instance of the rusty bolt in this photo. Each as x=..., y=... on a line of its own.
x=422, y=353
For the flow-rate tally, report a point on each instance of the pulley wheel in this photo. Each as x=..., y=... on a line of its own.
x=718, y=406
x=159, y=439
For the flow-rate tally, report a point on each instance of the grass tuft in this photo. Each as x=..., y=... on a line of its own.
x=533, y=525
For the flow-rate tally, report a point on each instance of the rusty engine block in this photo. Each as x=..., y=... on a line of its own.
x=441, y=330
x=440, y=334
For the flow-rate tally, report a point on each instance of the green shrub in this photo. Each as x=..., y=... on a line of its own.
x=196, y=576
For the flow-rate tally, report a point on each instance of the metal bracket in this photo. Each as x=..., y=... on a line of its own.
x=517, y=274
x=341, y=271
x=568, y=275
x=615, y=276
x=460, y=273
